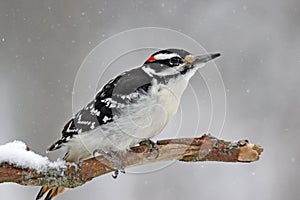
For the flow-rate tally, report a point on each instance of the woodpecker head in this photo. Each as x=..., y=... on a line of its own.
x=174, y=62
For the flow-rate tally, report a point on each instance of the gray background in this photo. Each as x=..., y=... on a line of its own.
x=43, y=43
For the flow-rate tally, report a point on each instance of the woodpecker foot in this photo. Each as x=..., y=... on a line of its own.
x=113, y=157
x=75, y=165
x=151, y=146
x=116, y=173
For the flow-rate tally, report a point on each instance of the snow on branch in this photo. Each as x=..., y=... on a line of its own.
x=20, y=165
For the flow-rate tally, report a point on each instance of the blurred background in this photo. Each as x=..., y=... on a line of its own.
x=43, y=44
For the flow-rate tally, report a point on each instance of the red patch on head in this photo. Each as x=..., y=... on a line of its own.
x=151, y=59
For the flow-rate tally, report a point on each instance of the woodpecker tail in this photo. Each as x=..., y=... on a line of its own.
x=52, y=192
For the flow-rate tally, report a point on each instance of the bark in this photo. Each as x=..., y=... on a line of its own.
x=205, y=148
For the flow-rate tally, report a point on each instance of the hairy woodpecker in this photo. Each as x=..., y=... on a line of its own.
x=131, y=108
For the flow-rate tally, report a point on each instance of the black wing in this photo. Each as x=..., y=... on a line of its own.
x=104, y=108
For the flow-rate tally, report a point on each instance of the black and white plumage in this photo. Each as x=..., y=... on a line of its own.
x=133, y=107
x=115, y=98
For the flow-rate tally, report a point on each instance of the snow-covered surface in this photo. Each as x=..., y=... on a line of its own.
x=15, y=153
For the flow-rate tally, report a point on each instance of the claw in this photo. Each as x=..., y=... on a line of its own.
x=96, y=151
x=113, y=157
x=75, y=165
x=150, y=145
x=115, y=174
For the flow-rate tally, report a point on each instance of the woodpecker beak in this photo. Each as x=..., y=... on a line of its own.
x=194, y=60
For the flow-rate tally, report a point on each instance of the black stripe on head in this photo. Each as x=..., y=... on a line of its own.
x=182, y=53
x=162, y=52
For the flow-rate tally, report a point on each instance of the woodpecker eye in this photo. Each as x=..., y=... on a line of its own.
x=175, y=61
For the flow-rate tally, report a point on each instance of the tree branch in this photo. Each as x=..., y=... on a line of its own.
x=205, y=148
